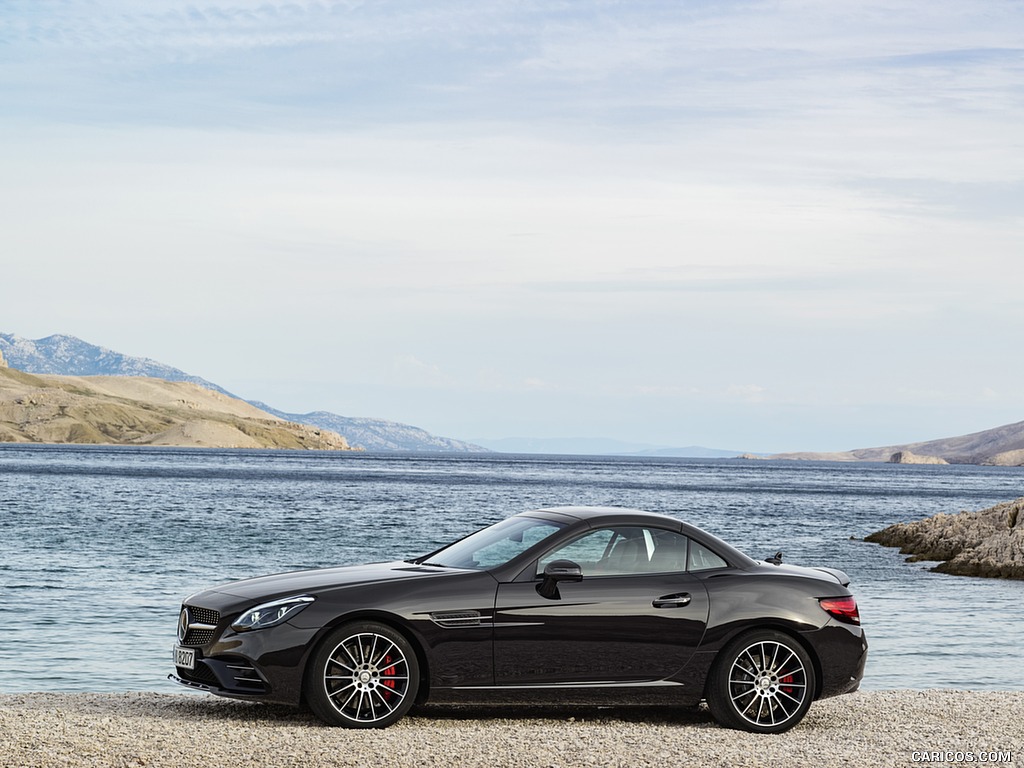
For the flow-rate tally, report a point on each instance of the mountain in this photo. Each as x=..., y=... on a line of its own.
x=598, y=446
x=68, y=355
x=381, y=434
x=132, y=410
x=1000, y=446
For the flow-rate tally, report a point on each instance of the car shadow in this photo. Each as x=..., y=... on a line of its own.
x=650, y=715
x=277, y=715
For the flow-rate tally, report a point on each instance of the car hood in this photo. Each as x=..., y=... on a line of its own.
x=311, y=581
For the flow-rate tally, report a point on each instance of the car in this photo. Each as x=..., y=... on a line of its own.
x=566, y=605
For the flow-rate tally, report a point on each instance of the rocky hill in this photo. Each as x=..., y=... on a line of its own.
x=1001, y=446
x=985, y=543
x=377, y=434
x=121, y=410
x=68, y=355
x=63, y=355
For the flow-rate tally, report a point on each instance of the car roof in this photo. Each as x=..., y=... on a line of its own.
x=629, y=516
x=595, y=513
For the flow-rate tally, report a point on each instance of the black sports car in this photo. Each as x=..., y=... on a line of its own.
x=571, y=605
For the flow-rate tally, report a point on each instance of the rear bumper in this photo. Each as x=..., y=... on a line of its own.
x=842, y=651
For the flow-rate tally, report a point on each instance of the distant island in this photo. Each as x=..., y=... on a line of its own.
x=1001, y=446
x=591, y=446
x=123, y=410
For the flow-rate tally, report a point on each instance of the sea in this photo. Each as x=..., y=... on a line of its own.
x=99, y=545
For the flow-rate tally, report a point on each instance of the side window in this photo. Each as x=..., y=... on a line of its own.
x=669, y=552
x=703, y=559
x=623, y=551
x=587, y=551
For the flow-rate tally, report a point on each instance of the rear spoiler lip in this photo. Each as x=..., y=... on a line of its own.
x=836, y=574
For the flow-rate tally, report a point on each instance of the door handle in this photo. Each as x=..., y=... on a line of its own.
x=672, y=601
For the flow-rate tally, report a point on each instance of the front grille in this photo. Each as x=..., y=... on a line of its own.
x=203, y=615
x=196, y=635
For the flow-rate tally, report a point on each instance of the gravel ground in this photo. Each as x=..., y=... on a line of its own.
x=878, y=728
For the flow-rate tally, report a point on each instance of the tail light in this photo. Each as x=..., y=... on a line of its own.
x=843, y=609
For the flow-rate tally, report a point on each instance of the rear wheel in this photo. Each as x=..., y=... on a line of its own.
x=365, y=675
x=762, y=682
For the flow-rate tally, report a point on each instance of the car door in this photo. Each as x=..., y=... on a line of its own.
x=635, y=616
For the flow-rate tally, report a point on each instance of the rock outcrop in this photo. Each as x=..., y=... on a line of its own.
x=3, y=363
x=1006, y=459
x=908, y=457
x=989, y=542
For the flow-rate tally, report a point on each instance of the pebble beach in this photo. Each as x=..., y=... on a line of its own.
x=871, y=728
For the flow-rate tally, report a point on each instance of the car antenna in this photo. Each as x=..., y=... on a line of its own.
x=775, y=559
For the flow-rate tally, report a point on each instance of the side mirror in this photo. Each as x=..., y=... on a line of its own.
x=556, y=571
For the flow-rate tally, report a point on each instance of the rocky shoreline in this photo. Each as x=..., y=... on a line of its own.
x=876, y=728
x=989, y=542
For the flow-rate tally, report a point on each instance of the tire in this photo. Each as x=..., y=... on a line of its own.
x=364, y=675
x=762, y=682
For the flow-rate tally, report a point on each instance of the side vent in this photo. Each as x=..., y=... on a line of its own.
x=458, y=619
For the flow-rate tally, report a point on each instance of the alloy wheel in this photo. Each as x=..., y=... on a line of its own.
x=365, y=675
x=768, y=683
x=763, y=681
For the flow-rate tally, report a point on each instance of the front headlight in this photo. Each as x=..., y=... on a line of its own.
x=270, y=614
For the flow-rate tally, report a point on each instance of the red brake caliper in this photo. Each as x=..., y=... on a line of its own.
x=389, y=671
x=784, y=681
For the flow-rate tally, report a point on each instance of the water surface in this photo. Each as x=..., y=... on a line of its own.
x=98, y=545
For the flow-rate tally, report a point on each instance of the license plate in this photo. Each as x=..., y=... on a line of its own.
x=184, y=657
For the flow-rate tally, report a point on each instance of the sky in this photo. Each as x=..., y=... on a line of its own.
x=761, y=226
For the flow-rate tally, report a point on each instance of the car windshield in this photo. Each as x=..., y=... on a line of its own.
x=494, y=545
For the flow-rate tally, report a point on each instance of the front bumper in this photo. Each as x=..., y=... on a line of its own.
x=227, y=676
x=263, y=665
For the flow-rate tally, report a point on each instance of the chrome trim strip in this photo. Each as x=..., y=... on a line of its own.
x=190, y=684
x=604, y=684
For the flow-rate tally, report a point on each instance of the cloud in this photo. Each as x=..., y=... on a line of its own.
x=749, y=393
x=644, y=65
x=413, y=372
x=550, y=201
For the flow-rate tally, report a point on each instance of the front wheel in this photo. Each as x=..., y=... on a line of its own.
x=365, y=675
x=761, y=682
